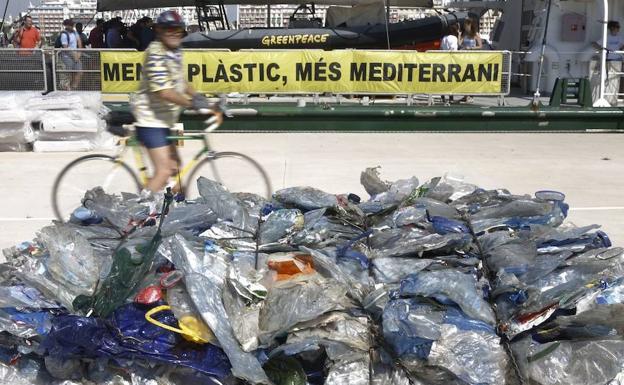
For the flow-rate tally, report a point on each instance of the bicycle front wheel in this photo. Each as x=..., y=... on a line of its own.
x=85, y=173
x=237, y=172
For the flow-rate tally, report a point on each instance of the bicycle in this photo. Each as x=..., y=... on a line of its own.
x=240, y=172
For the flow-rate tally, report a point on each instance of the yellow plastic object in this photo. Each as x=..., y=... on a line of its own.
x=191, y=328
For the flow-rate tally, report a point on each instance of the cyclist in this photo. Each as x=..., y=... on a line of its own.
x=163, y=93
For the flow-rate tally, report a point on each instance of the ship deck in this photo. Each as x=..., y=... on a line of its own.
x=514, y=113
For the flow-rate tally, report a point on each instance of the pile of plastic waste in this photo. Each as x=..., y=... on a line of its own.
x=435, y=283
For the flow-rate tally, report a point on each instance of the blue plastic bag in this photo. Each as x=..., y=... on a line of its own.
x=127, y=334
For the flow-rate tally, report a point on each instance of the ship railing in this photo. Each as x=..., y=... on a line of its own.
x=90, y=72
x=84, y=62
x=23, y=70
x=46, y=69
x=615, y=72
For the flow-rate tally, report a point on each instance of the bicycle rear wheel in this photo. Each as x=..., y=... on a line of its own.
x=237, y=172
x=85, y=173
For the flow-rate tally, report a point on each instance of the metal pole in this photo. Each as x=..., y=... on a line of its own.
x=90, y=20
x=54, y=69
x=602, y=102
x=268, y=15
x=45, y=71
x=224, y=17
x=387, y=3
x=536, y=96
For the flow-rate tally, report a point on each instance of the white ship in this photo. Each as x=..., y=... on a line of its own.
x=568, y=52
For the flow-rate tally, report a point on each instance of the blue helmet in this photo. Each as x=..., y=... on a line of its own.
x=170, y=19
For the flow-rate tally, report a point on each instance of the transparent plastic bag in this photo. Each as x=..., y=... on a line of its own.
x=349, y=373
x=279, y=224
x=371, y=181
x=474, y=356
x=204, y=281
x=581, y=362
x=458, y=287
x=305, y=198
x=71, y=261
x=393, y=270
x=225, y=205
x=289, y=303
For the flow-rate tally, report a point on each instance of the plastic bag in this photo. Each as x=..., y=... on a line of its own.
x=17, y=133
x=33, y=272
x=24, y=374
x=476, y=357
x=285, y=371
x=204, y=283
x=121, y=213
x=337, y=326
x=407, y=241
x=596, y=361
x=186, y=314
x=349, y=373
x=321, y=230
x=24, y=296
x=397, y=192
x=292, y=302
x=24, y=324
x=71, y=261
x=130, y=265
x=458, y=287
x=279, y=224
x=127, y=334
x=410, y=327
x=225, y=205
x=371, y=181
x=305, y=198
x=195, y=218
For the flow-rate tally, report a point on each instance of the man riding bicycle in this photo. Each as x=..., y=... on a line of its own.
x=163, y=93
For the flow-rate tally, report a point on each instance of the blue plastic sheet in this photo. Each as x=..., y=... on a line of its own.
x=128, y=335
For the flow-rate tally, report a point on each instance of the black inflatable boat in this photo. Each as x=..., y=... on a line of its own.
x=412, y=33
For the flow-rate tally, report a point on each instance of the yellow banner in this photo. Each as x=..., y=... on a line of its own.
x=316, y=71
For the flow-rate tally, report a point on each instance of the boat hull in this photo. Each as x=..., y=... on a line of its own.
x=412, y=33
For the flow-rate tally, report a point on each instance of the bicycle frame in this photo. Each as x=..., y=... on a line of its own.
x=181, y=173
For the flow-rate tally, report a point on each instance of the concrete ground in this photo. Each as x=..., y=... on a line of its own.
x=589, y=169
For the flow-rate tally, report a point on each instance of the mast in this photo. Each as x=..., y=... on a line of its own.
x=602, y=102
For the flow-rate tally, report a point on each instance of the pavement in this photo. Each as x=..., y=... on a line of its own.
x=588, y=168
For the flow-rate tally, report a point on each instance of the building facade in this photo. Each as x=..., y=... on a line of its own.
x=255, y=16
x=49, y=15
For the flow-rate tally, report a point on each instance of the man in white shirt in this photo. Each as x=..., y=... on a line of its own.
x=450, y=42
x=615, y=42
x=71, y=40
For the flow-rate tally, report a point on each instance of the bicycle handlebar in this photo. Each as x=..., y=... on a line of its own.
x=213, y=121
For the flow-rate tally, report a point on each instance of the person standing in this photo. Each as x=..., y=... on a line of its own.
x=113, y=34
x=147, y=34
x=83, y=37
x=96, y=36
x=450, y=42
x=71, y=40
x=470, y=40
x=27, y=36
x=615, y=42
